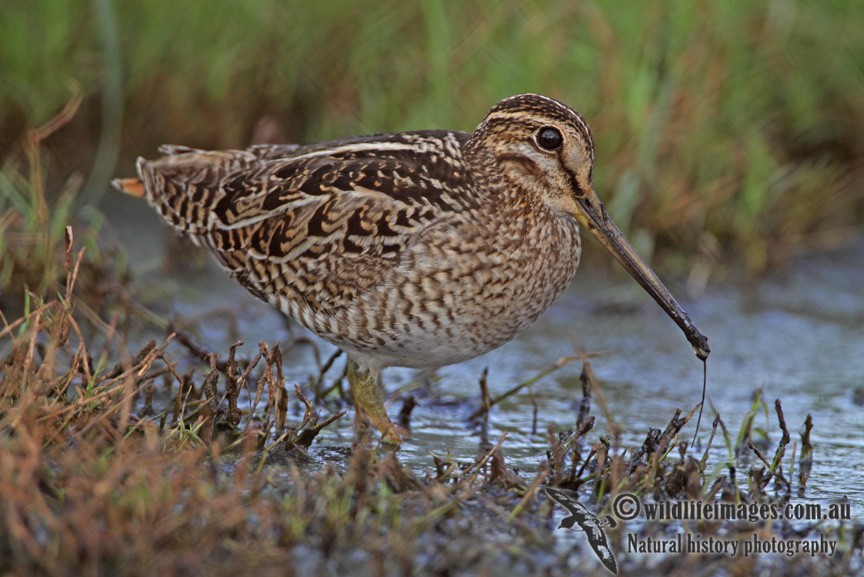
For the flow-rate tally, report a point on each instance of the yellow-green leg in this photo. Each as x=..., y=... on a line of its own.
x=368, y=402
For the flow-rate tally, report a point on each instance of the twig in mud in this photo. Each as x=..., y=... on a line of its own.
x=658, y=442
x=443, y=467
x=236, y=383
x=601, y=447
x=587, y=376
x=211, y=404
x=758, y=454
x=775, y=467
x=777, y=463
x=561, y=444
x=535, y=409
x=310, y=427
x=150, y=357
x=806, y=460
x=478, y=465
x=649, y=445
x=121, y=368
x=323, y=371
x=499, y=475
x=447, y=470
x=259, y=390
x=198, y=351
x=336, y=384
x=404, y=418
x=273, y=377
x=485, y=403
x=784, y=440
x=585, y=402
x=562, y=362
x=792, y=467
x=676, y=424
x=529, y=493
x=661, y=444
x=731, y=449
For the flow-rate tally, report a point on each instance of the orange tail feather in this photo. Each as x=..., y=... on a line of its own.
x=131, y=186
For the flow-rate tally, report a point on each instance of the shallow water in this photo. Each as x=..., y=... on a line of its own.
x=798, y=336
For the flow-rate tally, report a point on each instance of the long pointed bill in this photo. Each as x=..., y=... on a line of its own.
x=594, y=217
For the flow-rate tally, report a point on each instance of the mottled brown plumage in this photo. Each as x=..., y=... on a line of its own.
x=415, y=249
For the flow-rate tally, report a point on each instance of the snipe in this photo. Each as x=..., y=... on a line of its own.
x=416, y=249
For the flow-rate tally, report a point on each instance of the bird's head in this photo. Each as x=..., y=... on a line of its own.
x=544, y=149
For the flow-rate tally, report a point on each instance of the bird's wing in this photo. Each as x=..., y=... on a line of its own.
x=326, y=193
x=340, y=209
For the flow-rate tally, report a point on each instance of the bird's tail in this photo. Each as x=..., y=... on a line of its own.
x=131, y=186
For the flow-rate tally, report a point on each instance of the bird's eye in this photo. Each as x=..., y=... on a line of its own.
x=549, y=138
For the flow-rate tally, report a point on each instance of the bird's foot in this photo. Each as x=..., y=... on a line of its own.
x=369, y=404
x=391, y=433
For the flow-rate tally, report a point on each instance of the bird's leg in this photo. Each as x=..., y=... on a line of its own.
x=368, y=402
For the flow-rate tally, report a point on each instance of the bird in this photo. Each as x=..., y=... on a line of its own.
x=588, y=522
x=416, y=249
